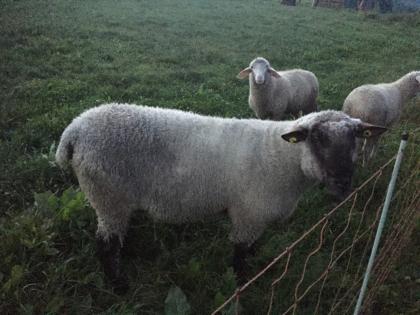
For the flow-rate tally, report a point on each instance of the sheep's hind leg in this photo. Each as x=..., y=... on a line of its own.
x=109, y=239
x=113, y=214
x=109, y=252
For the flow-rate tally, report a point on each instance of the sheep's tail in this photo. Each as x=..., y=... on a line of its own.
x=65, y=149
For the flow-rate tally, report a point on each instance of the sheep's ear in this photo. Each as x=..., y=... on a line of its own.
x=366, y=130
x=418, y=79
x=244, y=73
x=273, y=72
x=295, y=136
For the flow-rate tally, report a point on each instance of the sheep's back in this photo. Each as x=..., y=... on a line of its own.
x=177, y=166
x=375, y=104
x=303, y=90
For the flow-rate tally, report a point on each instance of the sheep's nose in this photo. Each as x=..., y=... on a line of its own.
x=343, y=184
x=339, y=188
x=259, y=79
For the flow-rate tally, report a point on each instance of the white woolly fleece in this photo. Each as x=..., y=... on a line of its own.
x=381, y=104
x=180, y=166
x=294, y=92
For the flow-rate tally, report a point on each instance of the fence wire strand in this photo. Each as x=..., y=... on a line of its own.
x=353, y=242
x=273, y=284
x=405, y=216
x=401, y=227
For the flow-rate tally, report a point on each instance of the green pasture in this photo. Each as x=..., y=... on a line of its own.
x=59, y=58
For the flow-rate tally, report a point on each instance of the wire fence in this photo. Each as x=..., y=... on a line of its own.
x=339, y=245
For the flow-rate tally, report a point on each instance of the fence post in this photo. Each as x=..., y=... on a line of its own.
x=381, y=224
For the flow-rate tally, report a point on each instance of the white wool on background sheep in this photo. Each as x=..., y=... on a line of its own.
x=181, y=167
x=275, y=94
x=381, y=104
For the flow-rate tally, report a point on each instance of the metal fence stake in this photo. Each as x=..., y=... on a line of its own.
x=381, y=224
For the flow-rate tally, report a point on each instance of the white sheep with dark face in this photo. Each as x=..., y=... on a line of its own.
x=274, y=94
x=181, y=167
x=381, y=104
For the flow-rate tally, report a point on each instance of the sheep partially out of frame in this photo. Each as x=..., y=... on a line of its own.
x=380, y=104
x=181, y=167
x=275, y=94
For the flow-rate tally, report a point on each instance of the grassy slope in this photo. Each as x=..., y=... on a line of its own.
x=59, y=58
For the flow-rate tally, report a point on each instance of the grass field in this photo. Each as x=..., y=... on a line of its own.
x=58, y=58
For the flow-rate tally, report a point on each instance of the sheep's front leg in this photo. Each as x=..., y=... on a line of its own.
x=267, y=116
x=240, y=252
x=246, y=229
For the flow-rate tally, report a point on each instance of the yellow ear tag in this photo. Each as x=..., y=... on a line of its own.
x=367, y=133
x=292, y=140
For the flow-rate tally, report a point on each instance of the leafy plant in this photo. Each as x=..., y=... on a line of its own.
x=176, y=302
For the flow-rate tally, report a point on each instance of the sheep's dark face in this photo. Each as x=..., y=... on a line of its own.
x=329, y=151
x=333, y=146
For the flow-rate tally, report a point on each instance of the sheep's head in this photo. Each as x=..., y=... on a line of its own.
x=417, y=81
x=411, y=83
x=260, y=70
x=329, y=147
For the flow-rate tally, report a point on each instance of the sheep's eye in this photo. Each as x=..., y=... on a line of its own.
x=367, y=133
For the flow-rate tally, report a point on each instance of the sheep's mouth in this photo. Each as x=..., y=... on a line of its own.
x=258, y=79
x=338, y=192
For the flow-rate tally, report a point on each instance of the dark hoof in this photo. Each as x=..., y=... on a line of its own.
x=252, y=251
x=241, y=278
x=120, y=285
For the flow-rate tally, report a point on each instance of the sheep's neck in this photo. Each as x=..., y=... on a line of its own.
x=261, y=92
x=276, y=147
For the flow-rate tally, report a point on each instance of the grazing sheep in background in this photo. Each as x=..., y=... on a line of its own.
x=380, y=104
x=274, y=94
x=180, y=167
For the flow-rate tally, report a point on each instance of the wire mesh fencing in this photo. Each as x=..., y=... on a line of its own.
x=321, y=272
